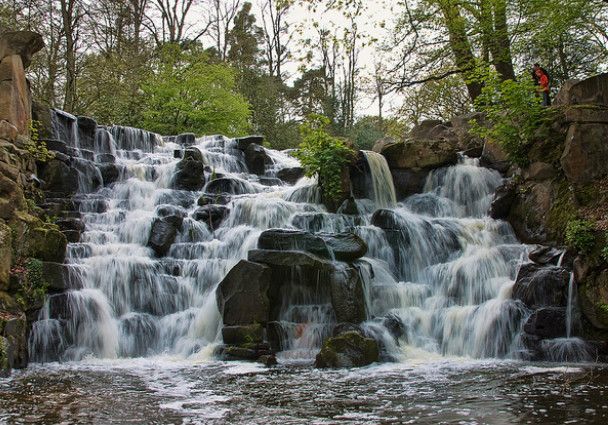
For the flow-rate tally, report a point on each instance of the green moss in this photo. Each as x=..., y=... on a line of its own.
x=47, y=244
x=4, y=365
x=349, y=349
x=587, y=195
x=561, y=213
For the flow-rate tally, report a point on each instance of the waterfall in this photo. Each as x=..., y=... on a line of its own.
x=383, y=188
x=569, y=305
x=438, y=271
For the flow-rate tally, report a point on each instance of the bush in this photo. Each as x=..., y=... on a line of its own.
x=36, y=147
x=513, y=110
x=32, y=286
x=323, y=155
x=579, y=235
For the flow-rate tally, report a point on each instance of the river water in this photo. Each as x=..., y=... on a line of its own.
x=431, y=391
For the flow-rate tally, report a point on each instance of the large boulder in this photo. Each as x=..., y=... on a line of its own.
x=190, y=171
x=585, y=156
x=228, y=186
x=503, y=199
x=291, y=175
x=21, y=43
x=461, y=125
x=531, y=211
x=59, y=177
x=288, y=259
x=347, y=295
x=211, y=214
x=243, y=143
x=349, y=349
x=593, y=297
x=592, y=90
x=541, y=286
x=495, y=157
x=162, y=235
x=340, y=246
x=418, y=155
x=46, y=244
x=547, y=322
x=242, y=296
x=256, y=159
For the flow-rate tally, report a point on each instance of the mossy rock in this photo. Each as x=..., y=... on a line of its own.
x=348, y=349
x=6, y=254
x=47, y=244
x=4, y=363
x=248, y=334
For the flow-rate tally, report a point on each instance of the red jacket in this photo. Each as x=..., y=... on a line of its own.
x=543, y=81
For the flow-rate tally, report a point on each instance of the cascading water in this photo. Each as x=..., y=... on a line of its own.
x=438, y=272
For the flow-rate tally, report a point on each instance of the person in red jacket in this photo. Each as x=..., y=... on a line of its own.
x=543, y=84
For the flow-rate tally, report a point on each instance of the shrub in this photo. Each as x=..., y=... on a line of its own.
x=323, y=155
x=513, y=110
x=579, y=235
x=32, y=286
x=36, y=147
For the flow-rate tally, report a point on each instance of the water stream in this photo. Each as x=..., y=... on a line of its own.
x=141, y=330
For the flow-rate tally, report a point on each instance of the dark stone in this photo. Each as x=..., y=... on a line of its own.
x=585, y=156
x=349, y=207
x=207, y=199
x=270, y=181
x=288, y=259
x=186, y=139
x=86, y=132
x=190, y=173
x=547, y=322
x=256, y=159
x=539, y=286
x=548, y=255
x=59, y=177
x=408, y=182
x=243, y=142
x=347, y=295
x=105, y=158
x=503, y=199
x=228, y=185
x=162, y=236
x=268, y=360
x=72, y=236
x=350, y=349
x=212, y=215
x=494, y=156
x=56, y=145
x=593, y=90
x=246, y=334
x=242, y=296
x=341, y=328
x=70, y=224
x=178, y=153
x=276, y=336
x=341, y=246
x=291, y=175
x=56, y=276
x=386, y=219
x=110, y=173
x=394, y=325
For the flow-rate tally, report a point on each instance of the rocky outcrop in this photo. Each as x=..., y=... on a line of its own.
x=256, y=159
x=585, y=156
x=211, y=214
x=541, y=286
x=162, y=234
x=348, y=349
x=190, y=171
x=592, y=90
x=16, y=50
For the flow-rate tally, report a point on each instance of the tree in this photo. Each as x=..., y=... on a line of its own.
x=190, y=94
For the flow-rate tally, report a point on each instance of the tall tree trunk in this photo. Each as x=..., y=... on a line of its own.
x=500, y=45
x=459, y=43
x=69, y=17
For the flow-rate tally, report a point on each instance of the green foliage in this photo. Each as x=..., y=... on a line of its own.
x=36, y=147
x=32, y=286
x=370, y=129
x=579, y=235
x=323, y=155
x=604, y=254
x=190, y=94
x=514, y=112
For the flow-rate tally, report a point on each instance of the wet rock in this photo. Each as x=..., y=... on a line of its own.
x=256, y=159
x=212, y=215
x=207, y=199
x=386, y=219
x=270, y=181
x=529, y=211
x=59, y=177
x=110, y=173
x=347, y=295
x=242, y=296
x=162, y=235
x=105, y=158
x=547, y=322
x=251, y=352
x=503, y=200
x=349, y=349
x=56, y=276
x=186, y=139
x=243, y=143
x=268, y=360
x=585, y=157
x=539, y=286
x=291, y=175
x=341, y=246
x=408, y=182
x=548, y=255
x=246, y=334
x=228, y=185
x=173, y=214
x=87, y=128
x=13, y=341
x=394, y=325
x=288, y=259
x=190, y=171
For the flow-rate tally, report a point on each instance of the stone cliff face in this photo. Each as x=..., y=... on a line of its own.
x=25, y=240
